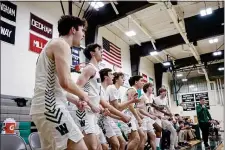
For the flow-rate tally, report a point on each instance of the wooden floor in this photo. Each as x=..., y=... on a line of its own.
x=192, y=144
x=220, y=147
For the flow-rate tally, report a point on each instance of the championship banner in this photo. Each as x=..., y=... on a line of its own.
x=41, y=26
x=8, y=10
x=126, y=80
x=7, y=32
x=145, y=78
x=36, y=43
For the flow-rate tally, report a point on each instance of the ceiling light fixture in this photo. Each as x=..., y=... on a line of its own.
x=184, y=80
x=217, y=53
x=221, y=68
x=205, y=12
x=153, y=53
x=211, y=41
x=130, y=33
x=191, y=86
x=179, y=75
x=97, y=4
x=166, y=64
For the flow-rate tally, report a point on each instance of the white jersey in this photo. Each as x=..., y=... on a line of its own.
x=148, y=102
x=126, y=99
x=93, y=87
x=160, y=102
x=48, y=94
x=113, y=93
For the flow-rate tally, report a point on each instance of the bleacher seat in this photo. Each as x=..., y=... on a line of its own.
x=34, y=141
x=12, y=142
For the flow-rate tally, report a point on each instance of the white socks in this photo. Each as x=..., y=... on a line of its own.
x=157, y=142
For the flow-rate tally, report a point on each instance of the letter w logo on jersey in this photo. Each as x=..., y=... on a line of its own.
x=62, y=129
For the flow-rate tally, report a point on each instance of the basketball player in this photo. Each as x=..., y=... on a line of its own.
x=91, y=82
x=161, y=108
x=130, y=128
x=57, y=129
x=149, y=119
x=112, y=131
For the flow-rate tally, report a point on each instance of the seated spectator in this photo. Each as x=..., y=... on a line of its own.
x=189, y=130
x=182, y=135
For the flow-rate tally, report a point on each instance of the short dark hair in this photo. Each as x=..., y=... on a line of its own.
x=116, y=76
x=104, y=72
x=162, y=89
x=176, y=115
x=180, y=122
x=90, y=48
x=186, y=119
x=133, y=79
x=146, y=86
x=201, y=98
x=66, y=22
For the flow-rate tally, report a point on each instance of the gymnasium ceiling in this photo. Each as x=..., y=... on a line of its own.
x=152, y=21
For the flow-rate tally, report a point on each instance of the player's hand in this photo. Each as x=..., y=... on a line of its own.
x=106, y=112
x=94, y=109
x=153, y=117
x=126, y=118
x=81, y=105
x=140, y=122
x=85, y=97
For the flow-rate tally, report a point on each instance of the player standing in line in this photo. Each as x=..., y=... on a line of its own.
x=112, y=131
x=149, y=123
x=130, y=128
x=161, y=108
x=90, y=81
x=57, y=129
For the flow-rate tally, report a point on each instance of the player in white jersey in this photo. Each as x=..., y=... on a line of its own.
x=91, y=82
x=131, y=128
x=57, y=130
x=149, y=121
x=112, y=131
x=161, y=108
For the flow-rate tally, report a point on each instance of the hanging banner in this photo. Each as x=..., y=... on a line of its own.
x=8, y=10
x=188, y=98
x=145, y=78
x=41, y=26
x=203, y=94
x=189, y=106
x=126, y=80
x=36, y=43
x=151, y=80
x=7, y=32
x=75, y=56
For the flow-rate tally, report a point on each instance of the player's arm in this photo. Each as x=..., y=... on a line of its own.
x=114, y=100
x=168, y=111
x=61, y=54
x=85, y=75
x=113, y=110
x=130, y=93
x=115, y=116
x=142, y=111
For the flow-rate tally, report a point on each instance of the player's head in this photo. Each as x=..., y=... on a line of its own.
x=202, y=100
x=136, y=81
x=162, y=92
x=69, y=25
x=93, y=51
x=106, y=75
x=148, y=87
x=118, y=78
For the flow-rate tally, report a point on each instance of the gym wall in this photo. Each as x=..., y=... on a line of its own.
x=17, y=62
